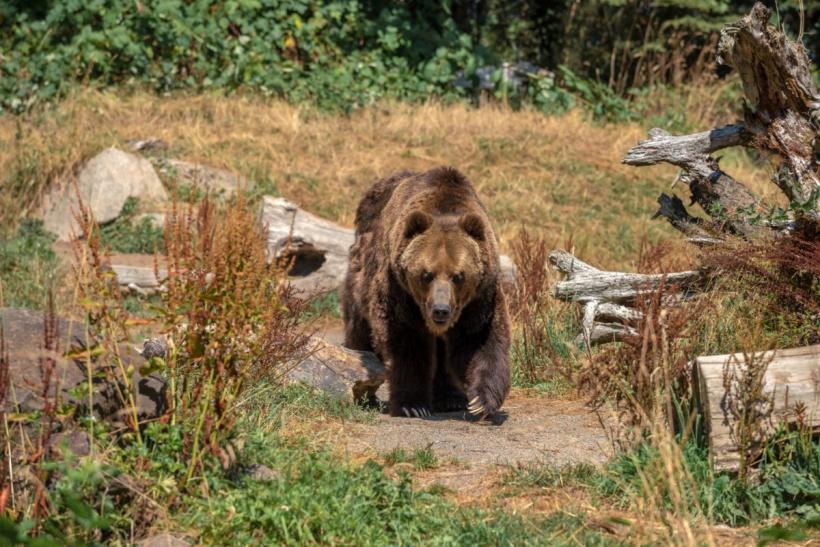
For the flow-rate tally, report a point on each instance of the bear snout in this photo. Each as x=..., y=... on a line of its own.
x=441, y=313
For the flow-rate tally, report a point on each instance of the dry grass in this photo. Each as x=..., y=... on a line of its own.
x=560, y=177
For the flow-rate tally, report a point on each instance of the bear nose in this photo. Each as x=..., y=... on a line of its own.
x=441, y=312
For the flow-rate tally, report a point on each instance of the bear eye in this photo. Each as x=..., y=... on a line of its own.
x=427, y=277
x=458, y=278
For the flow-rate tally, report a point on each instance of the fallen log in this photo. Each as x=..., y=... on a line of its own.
x=606, y=296
x=316, y=249
x=791, y=381
x=619, y=286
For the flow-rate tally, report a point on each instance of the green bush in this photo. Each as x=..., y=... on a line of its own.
x=334, y=54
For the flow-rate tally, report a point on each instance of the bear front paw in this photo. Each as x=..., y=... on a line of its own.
x=482, y=404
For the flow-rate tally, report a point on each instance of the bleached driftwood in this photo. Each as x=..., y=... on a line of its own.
x=791, y=380
x=605, y=295
x=317, y=248
x=618, y=286
x=781, y=115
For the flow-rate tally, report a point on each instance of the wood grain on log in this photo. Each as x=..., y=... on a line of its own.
x=792, y=377
x=568, y=264
x=686, y=151
x=619, y=286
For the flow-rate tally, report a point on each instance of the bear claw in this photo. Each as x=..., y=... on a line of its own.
x=475, y=407
x=415, y=412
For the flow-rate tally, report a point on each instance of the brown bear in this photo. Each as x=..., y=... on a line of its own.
x=423, y=291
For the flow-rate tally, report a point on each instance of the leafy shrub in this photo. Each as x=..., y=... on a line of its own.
x=337, y=55
x=230, y=321
x=334, y=54
x=28, y=266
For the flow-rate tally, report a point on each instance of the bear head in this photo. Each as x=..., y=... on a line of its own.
x=441, y=264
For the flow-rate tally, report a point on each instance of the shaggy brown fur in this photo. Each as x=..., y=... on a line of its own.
x=423, y=292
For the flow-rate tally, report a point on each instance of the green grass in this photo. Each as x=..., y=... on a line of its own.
x=324, y=305
x=28, y=266
x=317, y=496
x=126, y=234
x=547, y=475
x=322, y=500
x=420, y=458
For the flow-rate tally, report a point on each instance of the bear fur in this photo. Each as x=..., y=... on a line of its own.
x=423, y=291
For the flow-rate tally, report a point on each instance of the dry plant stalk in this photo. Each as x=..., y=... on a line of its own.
x=786, y=268
x=647, y=375
x=101, y=300
x=5, y=470
x=230, y=319
x=746, y=401
x=533, y=309
x=50, y=396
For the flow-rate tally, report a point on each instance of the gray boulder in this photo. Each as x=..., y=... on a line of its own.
x=104, y=183
x=340, y=372
x=24, y=343
x=218, y=182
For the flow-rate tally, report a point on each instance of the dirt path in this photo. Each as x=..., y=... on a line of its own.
x=474, y=456
x=530, y=429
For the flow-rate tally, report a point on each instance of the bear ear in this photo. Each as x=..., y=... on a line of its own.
x=417, y=223
x=473, y=225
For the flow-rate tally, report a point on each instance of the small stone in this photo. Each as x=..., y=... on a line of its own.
x=77, y=442
x=154, y=347
x=164, y=539
x=151, y=145
x=340, y=372
x=264, y=473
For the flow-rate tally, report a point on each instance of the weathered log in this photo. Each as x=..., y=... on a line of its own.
x=604, y=293
x=604, y=333
x=619, y=286
x=140, y=279
x=568, y=264
x=342, y=373
x=711, y=188
x=791, y=381
x=686, y=151
x=317, y=249
x=673, y=210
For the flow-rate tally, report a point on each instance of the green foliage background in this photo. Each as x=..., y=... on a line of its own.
x=342, y=54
